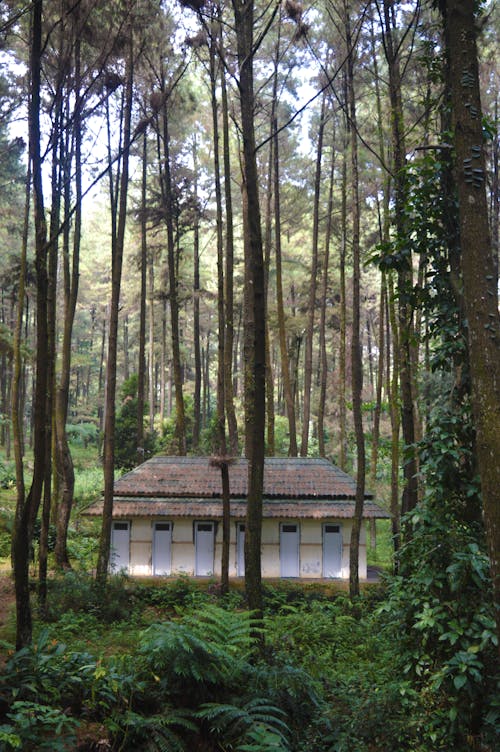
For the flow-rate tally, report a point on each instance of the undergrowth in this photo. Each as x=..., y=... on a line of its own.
x=172, y=667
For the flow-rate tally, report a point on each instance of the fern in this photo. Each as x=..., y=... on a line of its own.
x=261, y=739
x=255, y=723
x=232, y=631
x=172, y=648
x=163, y=732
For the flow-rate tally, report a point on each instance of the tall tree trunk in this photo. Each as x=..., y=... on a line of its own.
x=285, y=361
x=343, y=319
x=58, y=155
x=222, y=460
x=118, y=242
x=141, y=371
x=379, y=383
x=232, y=424
x=151, y=343
x=196, y=309
x=71, y=278
x=27, y=508
x=308, y=350
x=395, y=413
x=255, y=309
x=478, y=268
x=322, y=322
x=406, y=360
x=173, y=285
x=357, y=366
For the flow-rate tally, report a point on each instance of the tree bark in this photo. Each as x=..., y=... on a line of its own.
x=71, y=278
x=222, y=462
x=232, y=424
x=343, y=320
x=118, y=241
x=285, y=361
x=27, y=508
x=406, y=361
x=322, y=322
x=478, y=268
x=255, y=309
x=196, y=309
x=357, y=366
x=180, y=422
x=308, y=349
x=141, y=370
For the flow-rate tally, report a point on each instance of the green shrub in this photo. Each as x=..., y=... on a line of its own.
x=82, y=547
x=5, y=541
x=84, y=434
x=34, y=727
x=78, y=592
x=441, y=614
x=7, y=475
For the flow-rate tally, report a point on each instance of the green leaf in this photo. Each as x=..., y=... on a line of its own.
x=459, y=681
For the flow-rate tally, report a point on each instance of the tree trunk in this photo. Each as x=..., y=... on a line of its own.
x=26, y=509
x=255, y=310
x=285, y=361
x=407, y=382
x=117, y=241
x=180, y=422
x=478, y=268
x=151, y=343
x=229, y=282
x=71, y=280
x=308, y=350
x=58, y=155
x=141, y=371
x=343, y=320
x=322, y=322
x=221, y=362
x=357, y=366
x=196, y=309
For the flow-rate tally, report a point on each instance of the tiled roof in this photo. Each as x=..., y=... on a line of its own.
x=212, y=508
x=284, y=478
x=191, y=486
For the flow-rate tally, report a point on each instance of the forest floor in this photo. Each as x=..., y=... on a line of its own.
x=7, y=598
x=7, y=607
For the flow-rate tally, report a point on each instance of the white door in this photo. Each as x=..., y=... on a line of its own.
x=120, y=547
x=204, y=548
x=289, y=550
x=162, y=548
x=332, y=551
x=240, y=549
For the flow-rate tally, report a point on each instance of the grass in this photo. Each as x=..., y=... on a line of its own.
x=382, y=555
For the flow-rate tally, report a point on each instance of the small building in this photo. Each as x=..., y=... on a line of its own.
x=167, y=516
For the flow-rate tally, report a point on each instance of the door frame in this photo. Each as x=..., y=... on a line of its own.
x=240, y=549
x=156, y=526
x=325, y=532
x=197, y=525
x=123, y=525
x=296, y=556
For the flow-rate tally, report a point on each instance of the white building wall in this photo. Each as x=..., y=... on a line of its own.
x=183, y=550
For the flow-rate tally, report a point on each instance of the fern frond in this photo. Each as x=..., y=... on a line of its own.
x=172, y=649
x=162, y=732
x=234, y=631
x=262, y=739
x=256, y=719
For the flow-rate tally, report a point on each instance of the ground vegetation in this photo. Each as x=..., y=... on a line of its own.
x=249, y=227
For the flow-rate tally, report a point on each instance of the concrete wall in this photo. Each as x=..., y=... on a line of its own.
x=183, y=549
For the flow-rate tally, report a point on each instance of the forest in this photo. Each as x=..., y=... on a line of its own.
x=250, y=229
